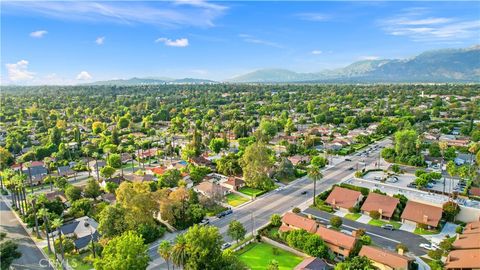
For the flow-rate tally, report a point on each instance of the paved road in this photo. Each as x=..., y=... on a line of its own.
x=381, y=237
x=32, y=257
x=257, y=213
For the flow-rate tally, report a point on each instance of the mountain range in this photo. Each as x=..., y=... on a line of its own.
x=439, y=66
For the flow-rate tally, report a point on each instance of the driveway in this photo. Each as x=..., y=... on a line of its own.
x=340, y=213
x=448, y=230
x=364, y=219
x=407, y=227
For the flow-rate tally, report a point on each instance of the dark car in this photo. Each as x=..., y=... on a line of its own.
x=220, y=215
x=304, y=192
x=412, y=185
x=228, y=212
x=388, y=227
x=347, y=159
x=350, y=169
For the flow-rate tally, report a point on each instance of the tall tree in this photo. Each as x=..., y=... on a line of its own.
x=256, y=164
x=165, y=251
x=315, y=174
x=236, y=230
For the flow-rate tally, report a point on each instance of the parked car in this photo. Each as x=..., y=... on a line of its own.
x=228, y=212
x=427, y=246
x=388, y=227
x=350, y=169
x=304, y=192
x=205, y=222
x=226, y=245
x=221, y=214
x=412, y=185
x=347, y=159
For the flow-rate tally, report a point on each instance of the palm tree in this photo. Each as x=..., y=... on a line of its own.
x=57, y=223
x=165, y=251
x=29, y=165
x=179, y=251
x=33, y=201
x=43, y=212
x=95, y=156
x=315, y=174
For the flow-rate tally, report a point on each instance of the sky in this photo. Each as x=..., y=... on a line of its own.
x=71, y=42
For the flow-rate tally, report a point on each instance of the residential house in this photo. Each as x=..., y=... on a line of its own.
x=211, y=190
x=383, y=259
x=292, y=221
x=56, y=194
x=418, y=213
x=117, y=180
x=472, y=227
x=65, y=171
x=297, y=159
x=201, y=161
x=384, y=204
x=467, y=259
x=94, y=164
x=36, y=172
x=233, y=183
x=81, y=230
x=313, y=263
x=339, y=243
x=109, y=197
x=132, y=177
x=343, y=198
x=474, y=191
x=467, y=241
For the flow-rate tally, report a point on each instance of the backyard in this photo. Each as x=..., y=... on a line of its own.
x=259, y=255
x=252, y=192
x=235, y=199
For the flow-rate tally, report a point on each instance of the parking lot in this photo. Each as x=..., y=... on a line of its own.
x=403, y=181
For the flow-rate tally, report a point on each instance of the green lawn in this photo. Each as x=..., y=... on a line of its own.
x=74, y=260
x=420, y=231
x=258, y=256
x=353, y=216
x=251, y=191
x=379, y=223
x=235, y=199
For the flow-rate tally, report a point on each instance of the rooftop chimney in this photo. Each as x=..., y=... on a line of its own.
x=400, y=251
x=425, y=219
x=333, y=202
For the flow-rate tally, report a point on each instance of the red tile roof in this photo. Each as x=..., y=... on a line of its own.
x=385, y=257
x=384, y=204
x=472, y=227
x=299, y=222
x=343, y=197
x=468, y=258
x=336, y=238
x=475, y=191
x=422, y=213
x=467, y=241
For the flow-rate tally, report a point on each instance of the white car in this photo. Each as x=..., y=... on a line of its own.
x=427, y=246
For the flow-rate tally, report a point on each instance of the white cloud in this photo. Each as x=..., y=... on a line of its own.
x=252, y=39
x=317, y=52
x=181, y=42
x=158, y=13
x=38, y=34
x=100, y=40
x=417, y=25
x=19, y=71
x=314, y=17
x=369, y=57
x=84, y=76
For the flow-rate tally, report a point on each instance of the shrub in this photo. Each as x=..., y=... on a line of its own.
x=375, y=214
x=275, y=251
x=336, y=221
x=450, y=210
x=366, y=240
x=435, y=254
x=396, y=168
x=276, y=220
x=296, y=210
x=67, y=243
x=363, y=190
x=401, y=246
x=419, y=172
x=459, y=229
x=150, y=232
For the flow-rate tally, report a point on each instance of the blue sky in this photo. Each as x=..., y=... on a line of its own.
x=67, y=42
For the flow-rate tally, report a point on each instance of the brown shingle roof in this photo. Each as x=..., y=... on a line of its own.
x=469, y=258
x=467, y=241
x=343, y=197
x=475, y=191
x=385, y=257
x=336, y=238
x=422, y=213
x=299, y=222
x=384, y=204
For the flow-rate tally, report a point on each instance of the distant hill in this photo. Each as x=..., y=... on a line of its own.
x=449, y=65
x=152, y=81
